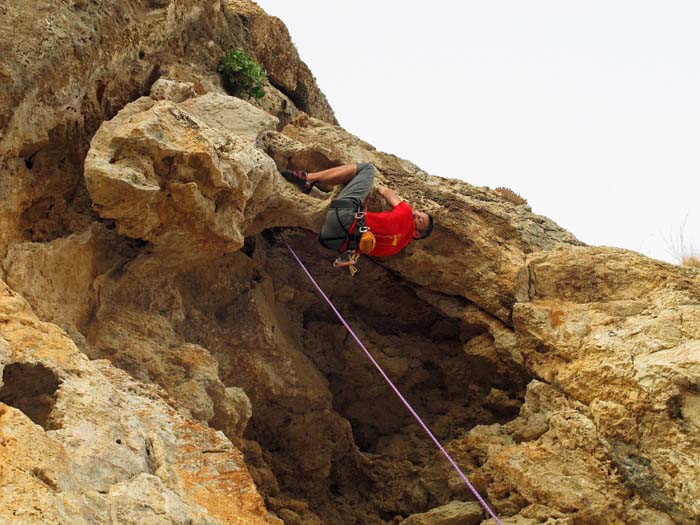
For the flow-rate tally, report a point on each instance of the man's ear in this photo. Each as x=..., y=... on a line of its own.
x=417, y=234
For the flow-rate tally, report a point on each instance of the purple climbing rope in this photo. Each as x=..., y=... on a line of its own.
x=393, y=387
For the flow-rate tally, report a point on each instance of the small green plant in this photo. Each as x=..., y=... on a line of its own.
x=243, y=76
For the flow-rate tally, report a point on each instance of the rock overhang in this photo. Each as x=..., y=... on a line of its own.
x=604, y=331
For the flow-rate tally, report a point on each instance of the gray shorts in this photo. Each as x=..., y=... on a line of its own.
x=333, y=233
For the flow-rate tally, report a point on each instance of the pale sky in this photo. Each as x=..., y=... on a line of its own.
x=590, y=110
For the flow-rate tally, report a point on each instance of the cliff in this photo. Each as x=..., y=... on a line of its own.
x=164, y=360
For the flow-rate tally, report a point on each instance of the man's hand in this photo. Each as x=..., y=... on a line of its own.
x=389, y=196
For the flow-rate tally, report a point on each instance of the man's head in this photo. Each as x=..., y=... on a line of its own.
x=423, y=223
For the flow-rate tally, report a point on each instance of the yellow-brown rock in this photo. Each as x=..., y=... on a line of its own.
x=164, y=360
x=167, y=177
x=66, y=66
x=610, y=432
x=480, y=241
x=82, y=442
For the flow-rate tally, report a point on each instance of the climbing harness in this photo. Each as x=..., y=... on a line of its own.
x=358, y=238
x=394, y=388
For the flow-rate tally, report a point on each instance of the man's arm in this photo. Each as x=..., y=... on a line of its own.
x=389, y=196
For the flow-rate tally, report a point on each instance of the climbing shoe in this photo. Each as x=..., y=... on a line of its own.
x=298, y=178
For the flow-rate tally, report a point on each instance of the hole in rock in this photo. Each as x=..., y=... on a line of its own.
x=449, y=370
x=674, y=407
x=365, y=435
x=45, y=478
x=31, y=389
x=135, y=242
x=249, y=246
x=152, y=77
x=100, y=91
x=325, y=429
x=60, y=203
x=45, y=219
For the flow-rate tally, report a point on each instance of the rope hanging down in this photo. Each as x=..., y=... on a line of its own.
x=393, y=387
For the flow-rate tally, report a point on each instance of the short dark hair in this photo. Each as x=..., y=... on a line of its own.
x=429, y=229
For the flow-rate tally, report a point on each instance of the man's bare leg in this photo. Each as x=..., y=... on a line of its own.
x=331, y=176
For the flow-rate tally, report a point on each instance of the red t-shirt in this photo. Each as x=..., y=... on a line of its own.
x=393, y=230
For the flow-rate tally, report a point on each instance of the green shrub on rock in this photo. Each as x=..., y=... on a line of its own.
x=243, y=76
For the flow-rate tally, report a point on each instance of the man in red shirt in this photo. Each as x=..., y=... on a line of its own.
x=345, y=220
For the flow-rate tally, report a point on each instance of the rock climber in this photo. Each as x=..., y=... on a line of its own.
x=352, y=231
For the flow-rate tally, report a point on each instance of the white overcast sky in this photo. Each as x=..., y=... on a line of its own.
x=588, y=109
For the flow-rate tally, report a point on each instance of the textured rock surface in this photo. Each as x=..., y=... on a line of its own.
x=81, y=442
x=163, y=360
x=480, y=241
x=610, y=430
x=67, y=66
x=287, y=72
x=180, y=186
x=454, y=513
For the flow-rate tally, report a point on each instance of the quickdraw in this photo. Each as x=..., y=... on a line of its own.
x=348, y=259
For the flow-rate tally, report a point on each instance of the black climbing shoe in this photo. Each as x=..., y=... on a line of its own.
x=298, y=178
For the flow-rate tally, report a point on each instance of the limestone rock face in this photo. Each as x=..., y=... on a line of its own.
x=612, y=429
x=164, y=360
x=64, y=296
x=181, y=185
x=454, y=513
x=82, y=442
x=67, y=66
x=287, y=72
x=480, y=240
x=165, y=89
x=188, y=177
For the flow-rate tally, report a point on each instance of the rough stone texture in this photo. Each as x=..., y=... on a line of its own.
x=81, y=442
x=166, y=89
x=58, y=277
x=454, y=513
x=67, y=66
x=612, y=434
x=480, y=240
x=564, y=379
x=176, y=185
x=287, y=72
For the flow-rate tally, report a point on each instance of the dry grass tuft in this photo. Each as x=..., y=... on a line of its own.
x=511, y=196
x=680, y=249
x=691, y=260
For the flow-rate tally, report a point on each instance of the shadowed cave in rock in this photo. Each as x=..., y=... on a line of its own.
x=358, y=429
x=428, y=356
x=31, y=389
x=608, y=428
x=326, y=433
x=422, y=349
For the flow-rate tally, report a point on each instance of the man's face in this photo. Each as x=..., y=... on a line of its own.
x=420, y=220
